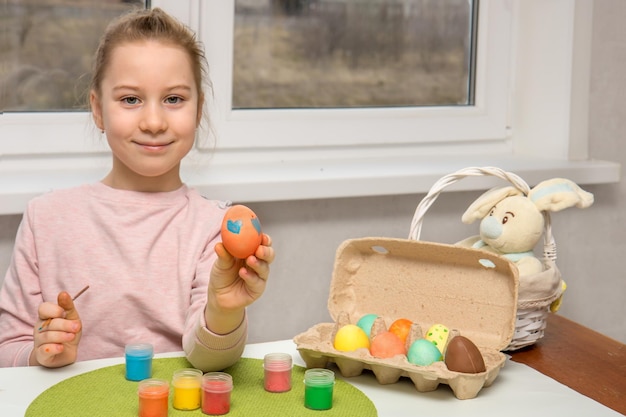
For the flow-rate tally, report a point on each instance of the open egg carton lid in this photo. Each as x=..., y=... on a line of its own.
x=468, y=290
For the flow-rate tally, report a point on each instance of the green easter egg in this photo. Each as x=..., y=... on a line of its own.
x=365, y=323
x=423, y=353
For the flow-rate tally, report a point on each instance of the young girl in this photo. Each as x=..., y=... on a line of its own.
x=147, y=245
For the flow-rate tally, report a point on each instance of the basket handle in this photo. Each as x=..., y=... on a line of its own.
x=443, y=182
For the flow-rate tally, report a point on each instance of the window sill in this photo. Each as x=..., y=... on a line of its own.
x=284, y=180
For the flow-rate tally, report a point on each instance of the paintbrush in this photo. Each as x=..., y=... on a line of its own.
x=48, y=320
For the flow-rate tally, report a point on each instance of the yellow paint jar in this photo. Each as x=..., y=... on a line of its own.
x=187, y=384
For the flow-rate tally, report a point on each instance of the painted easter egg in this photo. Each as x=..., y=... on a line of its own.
x=350, y=337
x=438, y=334
x=241, y=231
x=366, y=322
x=387, y=345
x=401, y=328
x=423, y=353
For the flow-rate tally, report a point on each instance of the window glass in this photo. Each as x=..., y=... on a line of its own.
x=346, y=53
x=46, y=49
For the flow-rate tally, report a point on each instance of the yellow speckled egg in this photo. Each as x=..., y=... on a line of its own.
x=241, y=231
x=438, y=334
x=351, y=337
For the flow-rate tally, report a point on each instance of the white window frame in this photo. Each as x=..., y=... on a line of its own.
x=530, y=117
x=299, y=128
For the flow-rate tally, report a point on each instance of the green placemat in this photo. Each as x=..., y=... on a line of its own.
x=106, y=392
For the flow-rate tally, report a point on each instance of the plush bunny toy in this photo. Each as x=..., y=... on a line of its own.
x=512, y=223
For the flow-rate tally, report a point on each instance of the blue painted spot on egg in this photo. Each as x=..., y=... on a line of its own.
x=234, y=226
x=257, y=224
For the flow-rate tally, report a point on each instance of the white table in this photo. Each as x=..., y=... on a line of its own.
x=518, y=391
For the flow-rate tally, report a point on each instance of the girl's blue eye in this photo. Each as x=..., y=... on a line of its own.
x=173, y=100
x=130, y=100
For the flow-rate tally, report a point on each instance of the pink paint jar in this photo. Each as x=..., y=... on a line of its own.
x=216, y=389
x=153, y=397
x=277, y=372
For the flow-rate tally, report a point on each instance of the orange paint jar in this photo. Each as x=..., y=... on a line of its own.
x=153, y=397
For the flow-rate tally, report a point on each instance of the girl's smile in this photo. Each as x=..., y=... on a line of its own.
x=153, y=147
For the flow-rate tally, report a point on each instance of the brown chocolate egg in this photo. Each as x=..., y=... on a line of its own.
x=462, y=355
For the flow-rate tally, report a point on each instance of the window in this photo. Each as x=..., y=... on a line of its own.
x=347, y=54
x=46, y=50
x=362, y=126
x=524, y=109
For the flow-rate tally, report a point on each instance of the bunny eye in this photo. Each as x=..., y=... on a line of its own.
x=506, y=217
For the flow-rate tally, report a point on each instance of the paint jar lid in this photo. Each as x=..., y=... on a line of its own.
x=153, y=388
x=277, y=362
x=140, y=350
x=217, y=382
x=319, y=377
x=187, y=376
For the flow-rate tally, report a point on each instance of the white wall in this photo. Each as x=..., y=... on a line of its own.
x=591, y=242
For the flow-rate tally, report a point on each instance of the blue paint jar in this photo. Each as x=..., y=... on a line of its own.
x=139, y=361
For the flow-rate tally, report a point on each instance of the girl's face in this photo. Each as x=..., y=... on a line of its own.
x=149, y=108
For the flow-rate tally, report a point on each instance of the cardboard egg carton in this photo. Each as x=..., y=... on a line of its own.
x=471, y=291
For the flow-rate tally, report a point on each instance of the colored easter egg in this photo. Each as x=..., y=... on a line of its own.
x=387, y=345
x=438, y=334
x=366, y=322
x=401, y=328
x=423, y=353
x=241, y=231
x=462, y=355
x=350, y=337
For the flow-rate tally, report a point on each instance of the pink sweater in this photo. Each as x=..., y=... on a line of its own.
x=147, y=258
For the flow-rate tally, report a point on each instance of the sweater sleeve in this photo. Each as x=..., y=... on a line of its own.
x=208, y=351
x=20, y=297
x=204, y=349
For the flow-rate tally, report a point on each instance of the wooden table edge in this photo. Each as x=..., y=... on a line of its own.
x=580, y=358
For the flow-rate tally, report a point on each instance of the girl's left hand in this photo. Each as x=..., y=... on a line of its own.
x=236, y=283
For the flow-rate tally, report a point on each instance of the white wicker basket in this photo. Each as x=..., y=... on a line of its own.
x=532, y=310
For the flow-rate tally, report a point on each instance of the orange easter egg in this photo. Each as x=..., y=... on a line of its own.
x=241, y=231
x=387, y=345
x=401, y=328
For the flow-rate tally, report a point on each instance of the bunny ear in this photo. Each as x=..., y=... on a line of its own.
x=558, y=194
x=481, y=207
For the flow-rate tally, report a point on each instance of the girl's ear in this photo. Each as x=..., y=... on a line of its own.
x=199, y=111
x=96, y=109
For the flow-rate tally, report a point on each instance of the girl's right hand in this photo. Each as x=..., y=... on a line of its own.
x=56, y=344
